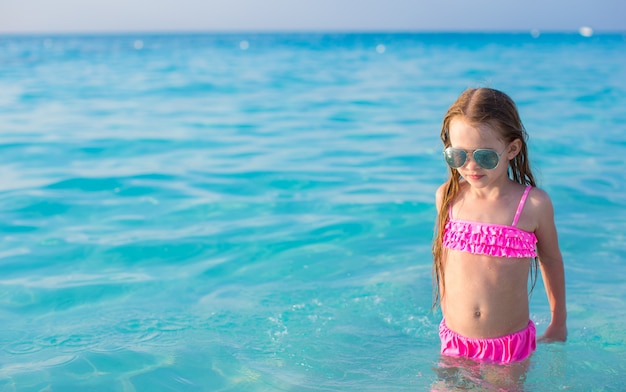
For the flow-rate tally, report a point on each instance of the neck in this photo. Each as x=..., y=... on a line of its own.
x=495, y=190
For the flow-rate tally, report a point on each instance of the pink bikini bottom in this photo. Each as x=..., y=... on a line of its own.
x=506, y=349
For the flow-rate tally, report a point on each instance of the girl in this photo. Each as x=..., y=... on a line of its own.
x=492, y=225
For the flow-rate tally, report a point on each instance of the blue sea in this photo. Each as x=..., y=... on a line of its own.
x=254, y=212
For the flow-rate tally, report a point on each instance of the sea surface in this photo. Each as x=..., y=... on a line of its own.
x=254, y=212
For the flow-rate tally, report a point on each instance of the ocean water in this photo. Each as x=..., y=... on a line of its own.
x=254, y=212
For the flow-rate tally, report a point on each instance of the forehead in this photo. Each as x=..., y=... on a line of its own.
x=468, y=136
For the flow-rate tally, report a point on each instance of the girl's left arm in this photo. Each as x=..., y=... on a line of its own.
x=552, y=270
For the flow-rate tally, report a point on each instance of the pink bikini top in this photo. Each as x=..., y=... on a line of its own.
x=491, y=239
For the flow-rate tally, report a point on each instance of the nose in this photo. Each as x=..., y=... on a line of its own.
x=469, y=158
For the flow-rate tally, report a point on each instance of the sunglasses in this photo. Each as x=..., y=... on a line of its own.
x=484, y=157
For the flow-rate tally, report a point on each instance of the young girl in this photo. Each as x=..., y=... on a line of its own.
x=492, y=225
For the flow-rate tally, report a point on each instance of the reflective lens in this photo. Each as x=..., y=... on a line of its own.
x=485, y=158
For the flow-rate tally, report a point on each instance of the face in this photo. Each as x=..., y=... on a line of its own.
x=469, y=138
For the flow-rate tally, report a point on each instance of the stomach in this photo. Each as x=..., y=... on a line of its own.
x=485, y=296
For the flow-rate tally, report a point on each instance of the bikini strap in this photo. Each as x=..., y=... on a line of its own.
x=520, y=207
x=450, y=211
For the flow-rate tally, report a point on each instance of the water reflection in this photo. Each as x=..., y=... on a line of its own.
x=461, y=374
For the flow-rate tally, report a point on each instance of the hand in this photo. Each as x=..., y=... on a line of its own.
x=554, y=334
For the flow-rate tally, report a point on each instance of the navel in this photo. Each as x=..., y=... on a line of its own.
x=477, y=313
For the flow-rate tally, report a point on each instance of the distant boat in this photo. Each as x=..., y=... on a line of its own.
x=586, y=31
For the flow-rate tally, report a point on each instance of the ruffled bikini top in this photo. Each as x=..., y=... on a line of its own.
x=491, y=239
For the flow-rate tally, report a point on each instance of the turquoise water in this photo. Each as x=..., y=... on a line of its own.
x=254, y=212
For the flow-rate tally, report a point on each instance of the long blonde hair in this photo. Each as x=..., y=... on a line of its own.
x=478, y=106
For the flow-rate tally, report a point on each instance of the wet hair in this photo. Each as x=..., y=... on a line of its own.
x=479, y=106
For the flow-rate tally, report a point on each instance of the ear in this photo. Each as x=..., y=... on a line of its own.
x=514, y=148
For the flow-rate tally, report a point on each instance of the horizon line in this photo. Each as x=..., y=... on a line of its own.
x=530, y=31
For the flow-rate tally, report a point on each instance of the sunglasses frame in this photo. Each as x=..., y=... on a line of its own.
x=473, y=152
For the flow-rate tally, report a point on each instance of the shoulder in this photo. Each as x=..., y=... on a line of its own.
x=539, y=198
x=540, y=204
x=443, y=188
x=545, y=226
x=439, y=195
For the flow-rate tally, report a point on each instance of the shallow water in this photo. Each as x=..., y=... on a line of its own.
x=254, y=212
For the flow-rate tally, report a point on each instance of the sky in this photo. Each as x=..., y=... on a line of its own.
x=69, y=16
